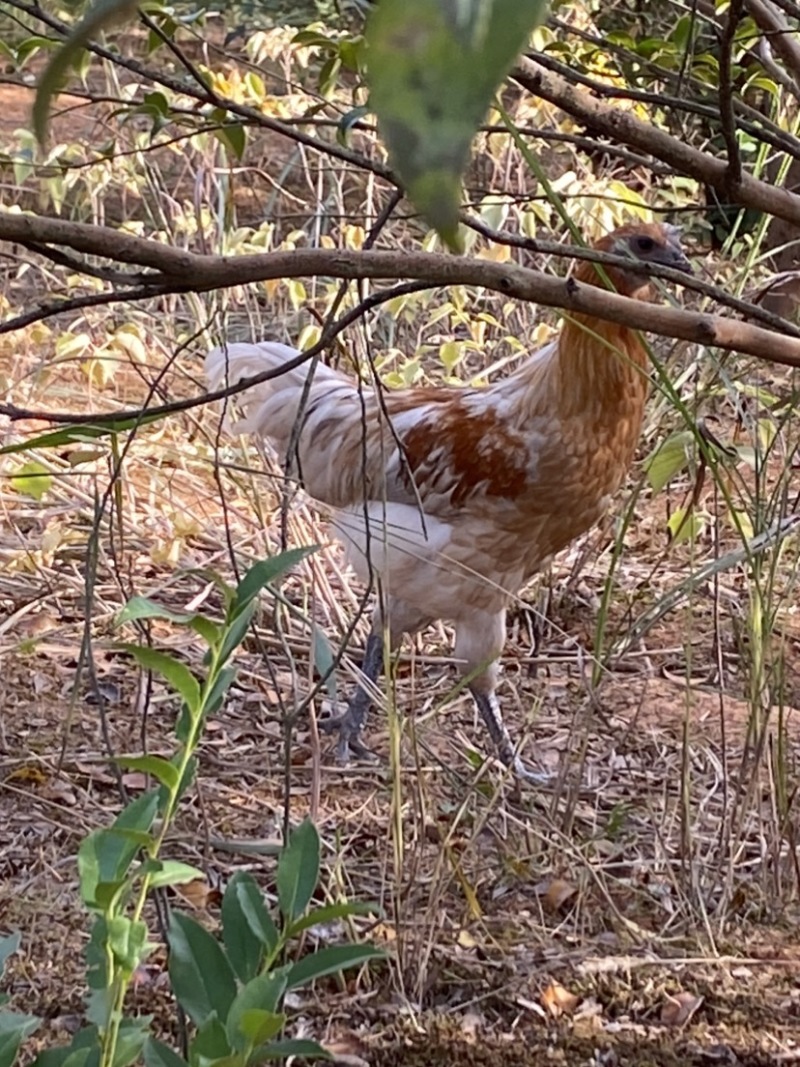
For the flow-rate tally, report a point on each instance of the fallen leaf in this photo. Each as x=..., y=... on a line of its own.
x=466, y=940
x=558, y=1000
x=28, y=772
x=679, y=1009
x=470, y=1025
x=556, y=894
x=199, y=894
x=135, y=780
x=347, y=1050
x=384, y=932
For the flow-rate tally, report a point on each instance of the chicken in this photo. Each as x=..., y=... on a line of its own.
x=454, y=497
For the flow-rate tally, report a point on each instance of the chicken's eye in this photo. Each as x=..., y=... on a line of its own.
x=645, y=244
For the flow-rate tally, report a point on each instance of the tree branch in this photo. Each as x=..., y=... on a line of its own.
x=626, y=127
x=175, y=85
x=190, y=270
x=782, y=38
x=727, y=114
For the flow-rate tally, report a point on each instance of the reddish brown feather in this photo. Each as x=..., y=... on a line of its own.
x=481, y=450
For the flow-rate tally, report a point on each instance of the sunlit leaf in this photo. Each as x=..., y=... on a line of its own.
x=32, y=479
x=684, y=526
x=669, y=459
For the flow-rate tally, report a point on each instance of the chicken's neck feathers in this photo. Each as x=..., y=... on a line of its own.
x=592, y=371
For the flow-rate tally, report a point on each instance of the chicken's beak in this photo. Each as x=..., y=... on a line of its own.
x=676, y=259
x=681, y=263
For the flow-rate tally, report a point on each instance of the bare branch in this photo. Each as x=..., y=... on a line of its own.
x=751, y=120
x=182, y=269
x=552, y=248
x=626, y=127
x=184, y=60
x=105, y=274
x=252, y=115
x=727, y=114
x=782, y=38
x=79, y=303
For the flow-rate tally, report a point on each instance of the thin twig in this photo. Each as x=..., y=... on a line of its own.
x=726, y=91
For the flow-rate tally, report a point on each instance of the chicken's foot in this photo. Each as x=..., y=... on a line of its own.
x=351, y=723
x=489, y=709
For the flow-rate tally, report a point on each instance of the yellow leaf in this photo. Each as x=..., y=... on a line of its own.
x=32, y=479
x=559, y=1001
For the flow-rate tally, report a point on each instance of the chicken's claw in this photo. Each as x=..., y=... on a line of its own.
x=349, y=726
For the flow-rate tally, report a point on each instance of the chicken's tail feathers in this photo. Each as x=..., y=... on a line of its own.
x=270, y=407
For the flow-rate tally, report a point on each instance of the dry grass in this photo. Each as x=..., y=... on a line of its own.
x=666, y=862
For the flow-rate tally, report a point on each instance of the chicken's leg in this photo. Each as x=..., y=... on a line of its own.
x=351, y=723
x=489, y=709
x=398, y=618
x=480, y=638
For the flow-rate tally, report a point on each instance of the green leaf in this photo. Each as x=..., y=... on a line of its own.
x=160, y=768
x=256, y=1027
x=102, y=15
x=210, y=631
x=157, y=1054
x=14, y=1028
x=133, y=1034
x=8, y=946
x=79, y=433
x=201, y=976
x=139, y=814
x=84, y=1049
x=32, y=479
x=293, y=1046
x=234, y=137
x=177, y=674
x=234, y=631
x=432, y=69
x=348, y=121
x=669, y=459
x=324, y=659
x=329, y=913
x=141, y=607
x=253, y=1017
x=266, y=571
x=221, y=685
x=683, y=526
x=127, y=939
x=105, y=856
x=247, y=927
x=298, y=870
x=331, y=960
x=210, y=1044
x=173, y=872
x=98, y=1005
